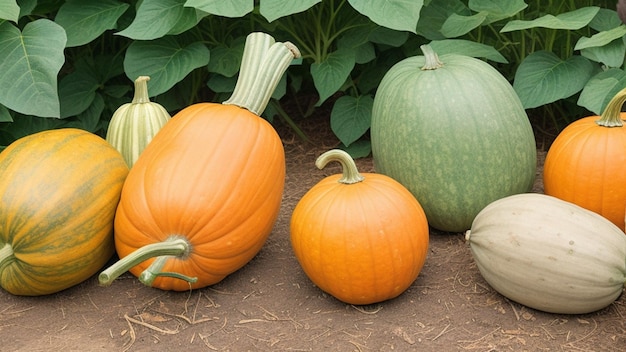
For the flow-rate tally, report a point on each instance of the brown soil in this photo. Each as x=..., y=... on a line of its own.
x=270, y=305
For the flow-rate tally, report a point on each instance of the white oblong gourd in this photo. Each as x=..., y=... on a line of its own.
x=549, y=254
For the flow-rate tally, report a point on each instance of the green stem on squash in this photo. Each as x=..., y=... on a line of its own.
x=154, y=270
x=611, y=116
x=173, y=246
x=6, y=255
x=350, y=173
x=263, y=64
x=431, y=58
x=141, y=90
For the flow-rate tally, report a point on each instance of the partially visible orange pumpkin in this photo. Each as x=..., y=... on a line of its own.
x=203, y=196
x=363, y=238
x=58, y=193
x=586, y=163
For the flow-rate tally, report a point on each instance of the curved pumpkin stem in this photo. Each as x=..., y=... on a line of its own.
x=141, y=90
x=611, y=116
x=173, y=246
x=432, y=60
x=350, y=172
x=262, y=65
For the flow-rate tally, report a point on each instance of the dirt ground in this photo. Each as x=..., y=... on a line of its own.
x=270, y=305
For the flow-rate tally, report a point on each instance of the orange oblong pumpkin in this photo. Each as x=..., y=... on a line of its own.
x=362, y=238
x=204, y=195
x=586, y=163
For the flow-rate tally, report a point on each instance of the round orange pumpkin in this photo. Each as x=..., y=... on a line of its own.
x=363, y=238
x=203, y=196
x=586, y=163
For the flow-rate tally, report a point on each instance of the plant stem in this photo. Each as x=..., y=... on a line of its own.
x=148, y=276
x=173, y=246
x=611, y=116
x=141, y=90
x=263, y=64
x=350, y=174
x=431, y=59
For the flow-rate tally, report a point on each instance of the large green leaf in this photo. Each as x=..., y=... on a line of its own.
x=274, y=9
x=31, y=61
x=457, y=25
x=165, y=60
x=226, y=8
x=331, y=74
x=610, y=55
x=468, y=48
x=157, y=18
x=601, y=38
x=9, y=10
x=544, y=78
x=601, y=88
x=401, y=15
x=497, y=10
x=570, y=20
x=85, y=20
x=351, y=117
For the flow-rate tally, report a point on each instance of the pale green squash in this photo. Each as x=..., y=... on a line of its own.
x=454, y=133
x=549, y=254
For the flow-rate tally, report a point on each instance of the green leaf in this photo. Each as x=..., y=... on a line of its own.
x=456, y=25
x=5, y=115
x=29, y=67
x=222, y=84
x=274, y=9
x=434, y=15
x=226, y=8
x=84, y=21
x=611, y=54
x=570, y=20
x=468, y=48
x=165, y=60
x=351, y=117
x=358, y=149
x=331, y=74
x=76, y=92
x=89, y=120
x=600, y=39
x=226, y=60
x=401, y=15
x=544, y=78
x=157, y=18
x=601, y=88
x=497, y=10
x=9, y=10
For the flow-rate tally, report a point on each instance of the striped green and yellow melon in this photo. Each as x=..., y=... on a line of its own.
x=454, y=132
x=59, y=190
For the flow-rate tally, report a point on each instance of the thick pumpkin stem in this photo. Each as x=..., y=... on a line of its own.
x=350, y=172
x=174, y=246
x=141, y=90
x=431, y=58
x=611, y=116
x=6, y=256
x=263, y=64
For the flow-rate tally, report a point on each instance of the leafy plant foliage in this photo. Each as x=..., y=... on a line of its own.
x=72, y=63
